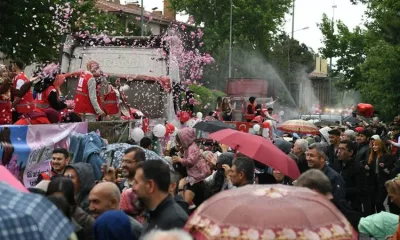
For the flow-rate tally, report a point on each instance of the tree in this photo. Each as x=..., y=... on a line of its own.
x=34, y=31
x=368, y=57
x=254, y=21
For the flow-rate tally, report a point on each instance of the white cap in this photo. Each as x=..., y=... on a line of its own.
x=375, y=137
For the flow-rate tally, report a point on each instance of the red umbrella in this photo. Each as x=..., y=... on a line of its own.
x=269, y=212
x=258, y=148
x=299, y=126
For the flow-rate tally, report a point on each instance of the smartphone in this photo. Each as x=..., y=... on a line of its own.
x=109, y=160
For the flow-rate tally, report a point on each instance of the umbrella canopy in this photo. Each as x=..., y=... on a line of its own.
x=326, y=123
x=352, y=120
x=298, y=126
x=256, y=212
x=212, y=126
x=30, y=216
x=258, y=148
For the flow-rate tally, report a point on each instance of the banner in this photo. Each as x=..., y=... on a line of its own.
x=26, y=150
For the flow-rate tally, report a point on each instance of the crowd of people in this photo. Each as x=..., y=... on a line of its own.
x=151, y=199
x=39, y=101
x=353, y=166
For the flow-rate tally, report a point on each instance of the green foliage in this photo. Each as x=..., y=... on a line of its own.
x=254, y=21
x=31, y=33
x=206, y=97
x=368, y=58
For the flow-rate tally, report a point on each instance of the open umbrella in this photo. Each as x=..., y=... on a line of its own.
x=269, y=212
x=298, y=126
x=212, y=126
x=30, y=216
x=258, y=148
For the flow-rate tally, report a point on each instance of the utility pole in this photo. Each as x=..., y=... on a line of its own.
x=230, y=42
x=141, y=17
x=334, y=6
x=289, y=42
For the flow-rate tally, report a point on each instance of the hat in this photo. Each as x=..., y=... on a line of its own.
x=375, y=137
x=334, y=132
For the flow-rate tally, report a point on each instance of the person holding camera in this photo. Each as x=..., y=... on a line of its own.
x=219, y=180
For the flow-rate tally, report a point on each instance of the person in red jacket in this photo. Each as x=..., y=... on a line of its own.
x=251, y=109
x=7, y=92
x=47, y=116
x=47, y=96
x=25, y=103
x=115, y=102
x=87, y=96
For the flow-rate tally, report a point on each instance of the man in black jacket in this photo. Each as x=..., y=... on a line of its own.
x=363, y=147
x=316, y=159
x=352, y=173
x=334, y=139
x=152, y=182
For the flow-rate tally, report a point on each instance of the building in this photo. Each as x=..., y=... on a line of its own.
x=155, y=21
x=318, y=88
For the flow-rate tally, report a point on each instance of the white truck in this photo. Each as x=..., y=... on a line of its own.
x=145, y=61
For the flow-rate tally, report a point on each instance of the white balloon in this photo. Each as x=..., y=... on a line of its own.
x=256, y=127
x=159, y=130
x=281, y=113
x=137, y=134
x=199, y=115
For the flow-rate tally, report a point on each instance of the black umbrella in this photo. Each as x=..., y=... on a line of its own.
x=352, y=120
x=212, y=126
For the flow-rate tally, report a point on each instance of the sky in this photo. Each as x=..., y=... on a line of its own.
x=307, y=14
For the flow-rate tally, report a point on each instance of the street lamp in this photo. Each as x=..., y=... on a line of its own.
x=230, y=43
x=330, y=61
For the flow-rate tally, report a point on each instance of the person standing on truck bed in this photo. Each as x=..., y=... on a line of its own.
x=47, y=96
x=251, y=109
x=87, y=96
x=25, y=103
x=114, y=97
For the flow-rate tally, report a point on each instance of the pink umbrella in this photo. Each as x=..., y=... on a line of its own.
x=7, y=177
x=258, y=148
x=257, y=212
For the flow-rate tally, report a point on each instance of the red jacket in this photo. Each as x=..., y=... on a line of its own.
x=111, y=103
x=82, y=99
x=26, y=103
x=42, y=99
x=250, y=116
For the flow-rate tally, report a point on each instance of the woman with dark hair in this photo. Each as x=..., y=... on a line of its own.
x=47, y=96
x=65, y=187
x=62, y=204
x=218, y=107
x=6, y=146
x=226, y=109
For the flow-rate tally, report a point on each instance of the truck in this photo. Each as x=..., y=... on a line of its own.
x=140, y=62
x=240, y=89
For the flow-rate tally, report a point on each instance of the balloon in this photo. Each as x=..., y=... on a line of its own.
x=266, y=124
x=184, y=117
x=256, y=127
x=137, y=134
x=159, y=130
x=170, y=128
x=199, y=115
x=365, y=109
x=281, y=113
